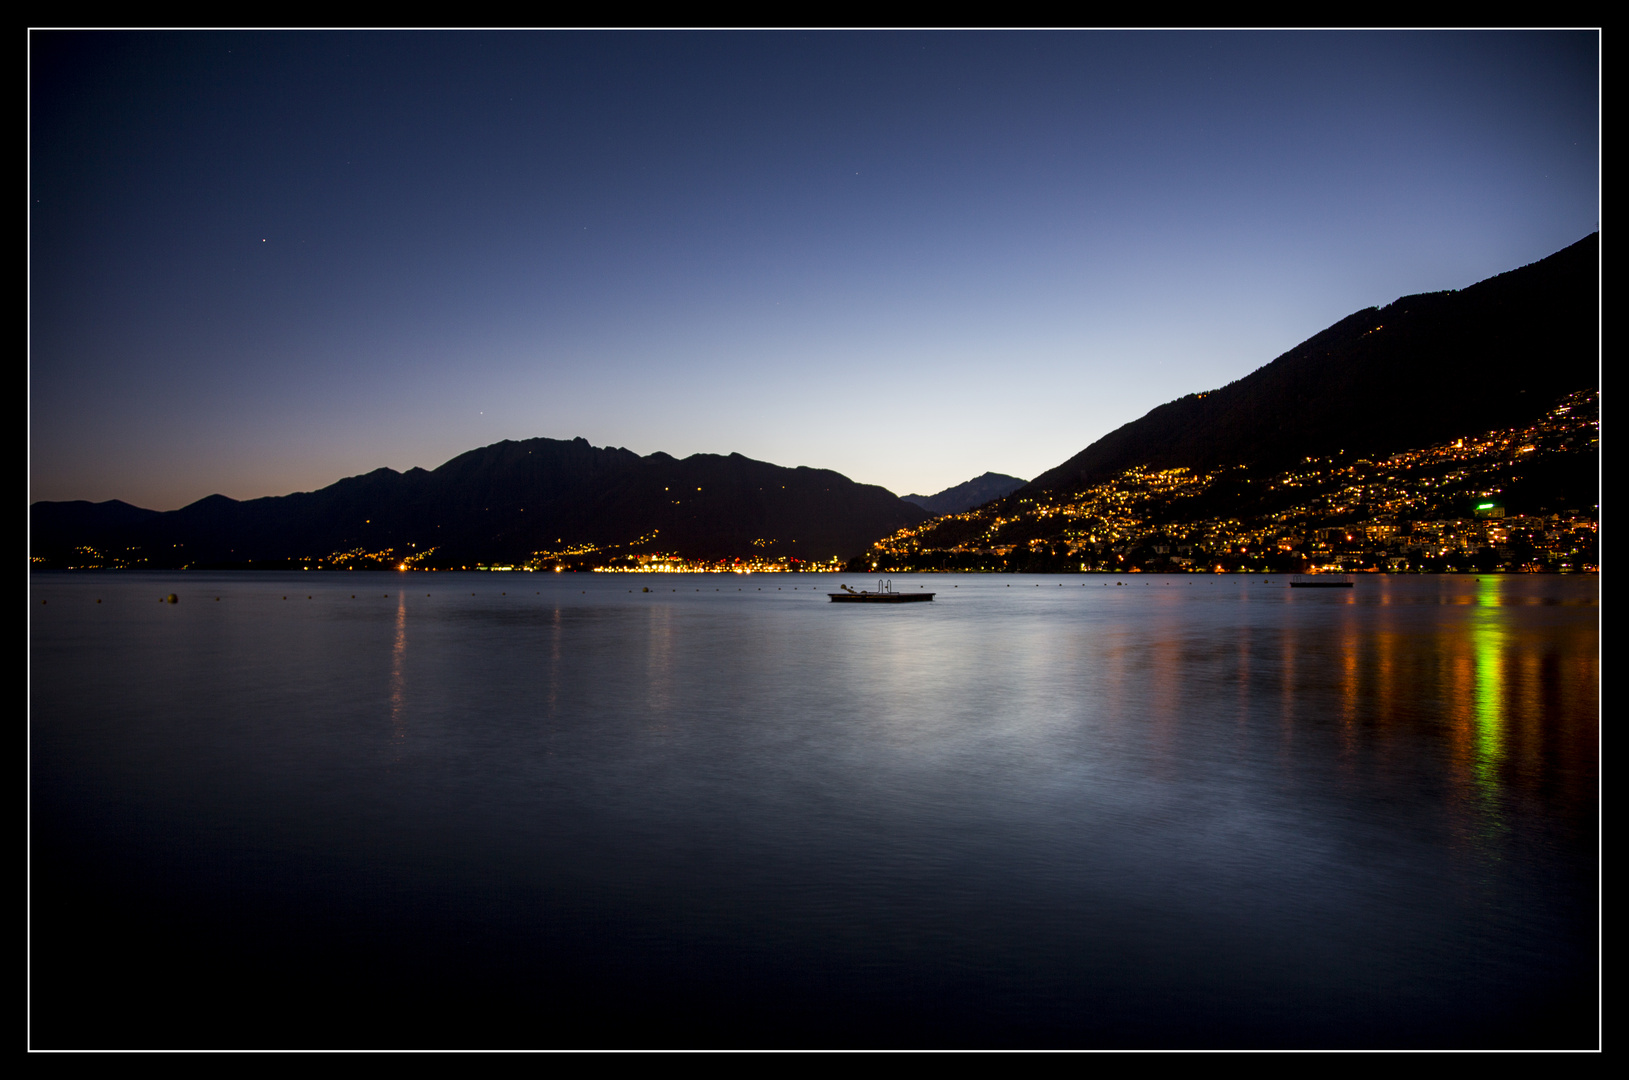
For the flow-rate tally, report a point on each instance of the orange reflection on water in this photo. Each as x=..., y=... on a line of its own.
x=1166, y=685
x=398, y=672
x=1499, y=675
x=1351, y=684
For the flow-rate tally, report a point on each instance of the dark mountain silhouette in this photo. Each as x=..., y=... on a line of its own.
x=963, y=497
x=1416, y=372
x=503, y=503
x=81, y=518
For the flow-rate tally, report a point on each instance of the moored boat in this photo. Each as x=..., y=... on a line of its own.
x=885, y=594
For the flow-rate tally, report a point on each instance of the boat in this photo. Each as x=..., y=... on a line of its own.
x=1320, y=581
x=885, y=594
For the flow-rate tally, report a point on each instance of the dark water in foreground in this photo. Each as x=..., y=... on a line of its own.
x=545, y=810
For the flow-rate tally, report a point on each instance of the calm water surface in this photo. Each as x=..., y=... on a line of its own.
x=443, y=809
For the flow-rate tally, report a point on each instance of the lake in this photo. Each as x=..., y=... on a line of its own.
x=367, y=809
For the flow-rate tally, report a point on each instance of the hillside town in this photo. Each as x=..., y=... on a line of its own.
x=1445, y=508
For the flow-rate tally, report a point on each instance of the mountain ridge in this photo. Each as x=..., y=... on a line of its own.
x=1533, y=332
x=474, y=509
x=964, y=496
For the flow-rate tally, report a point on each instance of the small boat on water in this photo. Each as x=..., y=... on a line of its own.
x=885, y=594
x=1321, y=581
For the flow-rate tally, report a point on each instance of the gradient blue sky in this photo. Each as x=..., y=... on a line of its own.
x=261, y=262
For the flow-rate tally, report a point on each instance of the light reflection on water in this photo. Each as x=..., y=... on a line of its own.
x=398, y=670
x=1190, y=810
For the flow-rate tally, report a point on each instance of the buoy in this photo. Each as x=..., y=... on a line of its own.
x=645, y=589
x=171, y=599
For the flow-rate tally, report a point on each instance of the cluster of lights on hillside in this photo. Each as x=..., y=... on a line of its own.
x=1337, y=513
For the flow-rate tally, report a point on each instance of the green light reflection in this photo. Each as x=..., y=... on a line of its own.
x=1488, y=645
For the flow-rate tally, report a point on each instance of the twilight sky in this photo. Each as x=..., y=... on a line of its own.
x=261, y=262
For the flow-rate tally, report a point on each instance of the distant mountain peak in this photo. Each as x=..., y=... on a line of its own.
x=965, y=496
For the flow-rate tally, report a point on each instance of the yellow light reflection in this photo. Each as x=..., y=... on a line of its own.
x=398, y=672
